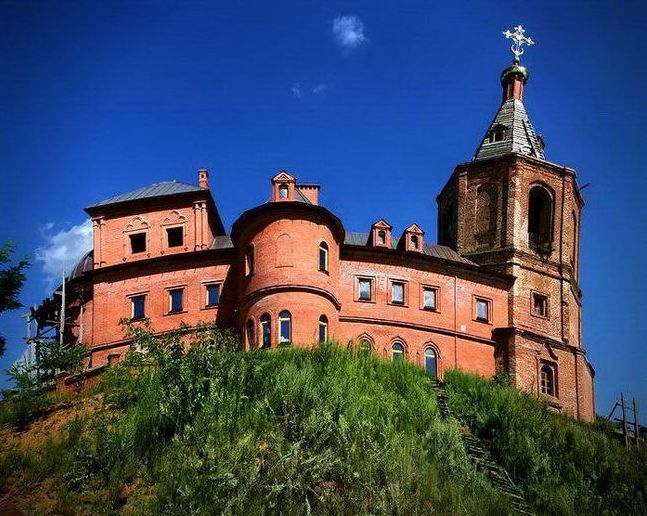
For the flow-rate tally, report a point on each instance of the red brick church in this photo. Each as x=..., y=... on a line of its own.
x=499, y=292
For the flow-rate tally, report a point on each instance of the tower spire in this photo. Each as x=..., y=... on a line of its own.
x=511, y=130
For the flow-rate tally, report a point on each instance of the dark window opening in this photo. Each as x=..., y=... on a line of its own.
x=249, y=261
x=540, y=304
x=381, y=237
x=213, y=295
x=414, y=242
x=431, y=363
x=138, y=307
x=175, y=237
x=540, y=219
x=266, y=331
x=251, y=341
x=176, y=300
x=137, y=243
x=323, y=328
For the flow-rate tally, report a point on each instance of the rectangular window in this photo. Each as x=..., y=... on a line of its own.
x=175, y=300
x=397, y=293
x=175, y=237
x=213, y=295
x=137, y=243
x=539, y=304
x=482, y=310
x=429, y=298
x=365, y=289
x=138, y=307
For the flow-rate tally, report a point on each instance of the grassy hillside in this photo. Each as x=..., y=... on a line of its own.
x=323, y=431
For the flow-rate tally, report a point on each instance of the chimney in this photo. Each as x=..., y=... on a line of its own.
x=203, y=178
x=513, y=80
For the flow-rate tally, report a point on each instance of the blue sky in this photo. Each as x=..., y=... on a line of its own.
x=98, y=98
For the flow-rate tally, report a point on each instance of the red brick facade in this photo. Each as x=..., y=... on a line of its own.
x=500, y=294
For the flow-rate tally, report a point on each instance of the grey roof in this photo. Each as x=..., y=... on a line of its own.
x=435, y=250
x=155, y=190
x=300, y=197
x=222, y=242
x=520, y=135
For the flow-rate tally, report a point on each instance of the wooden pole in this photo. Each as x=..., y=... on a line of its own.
x=624, y=420
x=636, y=425
x=62, y=324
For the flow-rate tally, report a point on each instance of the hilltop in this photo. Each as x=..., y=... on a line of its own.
x=205, y=429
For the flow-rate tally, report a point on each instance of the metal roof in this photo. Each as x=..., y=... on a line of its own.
x=435, y=250
x=222, y=242
x=85, y=264
x=155, y=190
x=520, y=136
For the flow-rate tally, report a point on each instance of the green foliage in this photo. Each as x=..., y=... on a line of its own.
x=565, y=466
x=33, y=380
x=12, y=279
x=205, y=429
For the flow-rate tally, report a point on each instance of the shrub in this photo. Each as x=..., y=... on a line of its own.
x=565, y=466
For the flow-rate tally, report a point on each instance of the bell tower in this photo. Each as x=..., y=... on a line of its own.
x=513, y=211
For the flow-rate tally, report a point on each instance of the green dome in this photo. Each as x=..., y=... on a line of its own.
x=516, y=68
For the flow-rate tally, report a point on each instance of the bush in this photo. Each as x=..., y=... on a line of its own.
x=565, y=466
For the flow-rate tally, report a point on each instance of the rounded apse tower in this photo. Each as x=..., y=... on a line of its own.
x=287, y=254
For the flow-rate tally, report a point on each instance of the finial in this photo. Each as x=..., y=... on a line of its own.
x=519, y=39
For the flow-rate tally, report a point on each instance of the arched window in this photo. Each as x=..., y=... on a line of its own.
x=414, y=241
x=283, y=191
x=547, y=380
x=431, y=365
x=365, y=345
x=486, y=209
x=323, y=328
x=323, y=257
x=381, y=237
x=540, y=219
x=251, y=340
x=447, y=225
x=249, y=261
x=285, y=327
x=574, y=244
x=266, y=331
x=397, y=352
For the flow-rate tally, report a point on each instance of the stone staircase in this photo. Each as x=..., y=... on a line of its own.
x=478, y=450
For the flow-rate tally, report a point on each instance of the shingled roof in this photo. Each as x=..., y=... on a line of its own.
x=147, y=192
x=520, y=136
x=435, y=250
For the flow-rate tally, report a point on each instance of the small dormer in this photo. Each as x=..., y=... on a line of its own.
x=413, y=239
x=283, y=187
x=381, y=233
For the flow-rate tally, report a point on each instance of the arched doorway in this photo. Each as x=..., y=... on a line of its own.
x=431, y=362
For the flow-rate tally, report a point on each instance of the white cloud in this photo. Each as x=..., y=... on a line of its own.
x=62, y=250
x=319, y=88
x=348, y=31
x=296, y=90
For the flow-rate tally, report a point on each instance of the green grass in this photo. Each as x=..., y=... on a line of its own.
x=210, y=430
x=564, y=466
x=322, y=431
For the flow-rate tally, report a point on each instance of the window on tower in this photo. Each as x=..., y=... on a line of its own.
x=540, y=219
